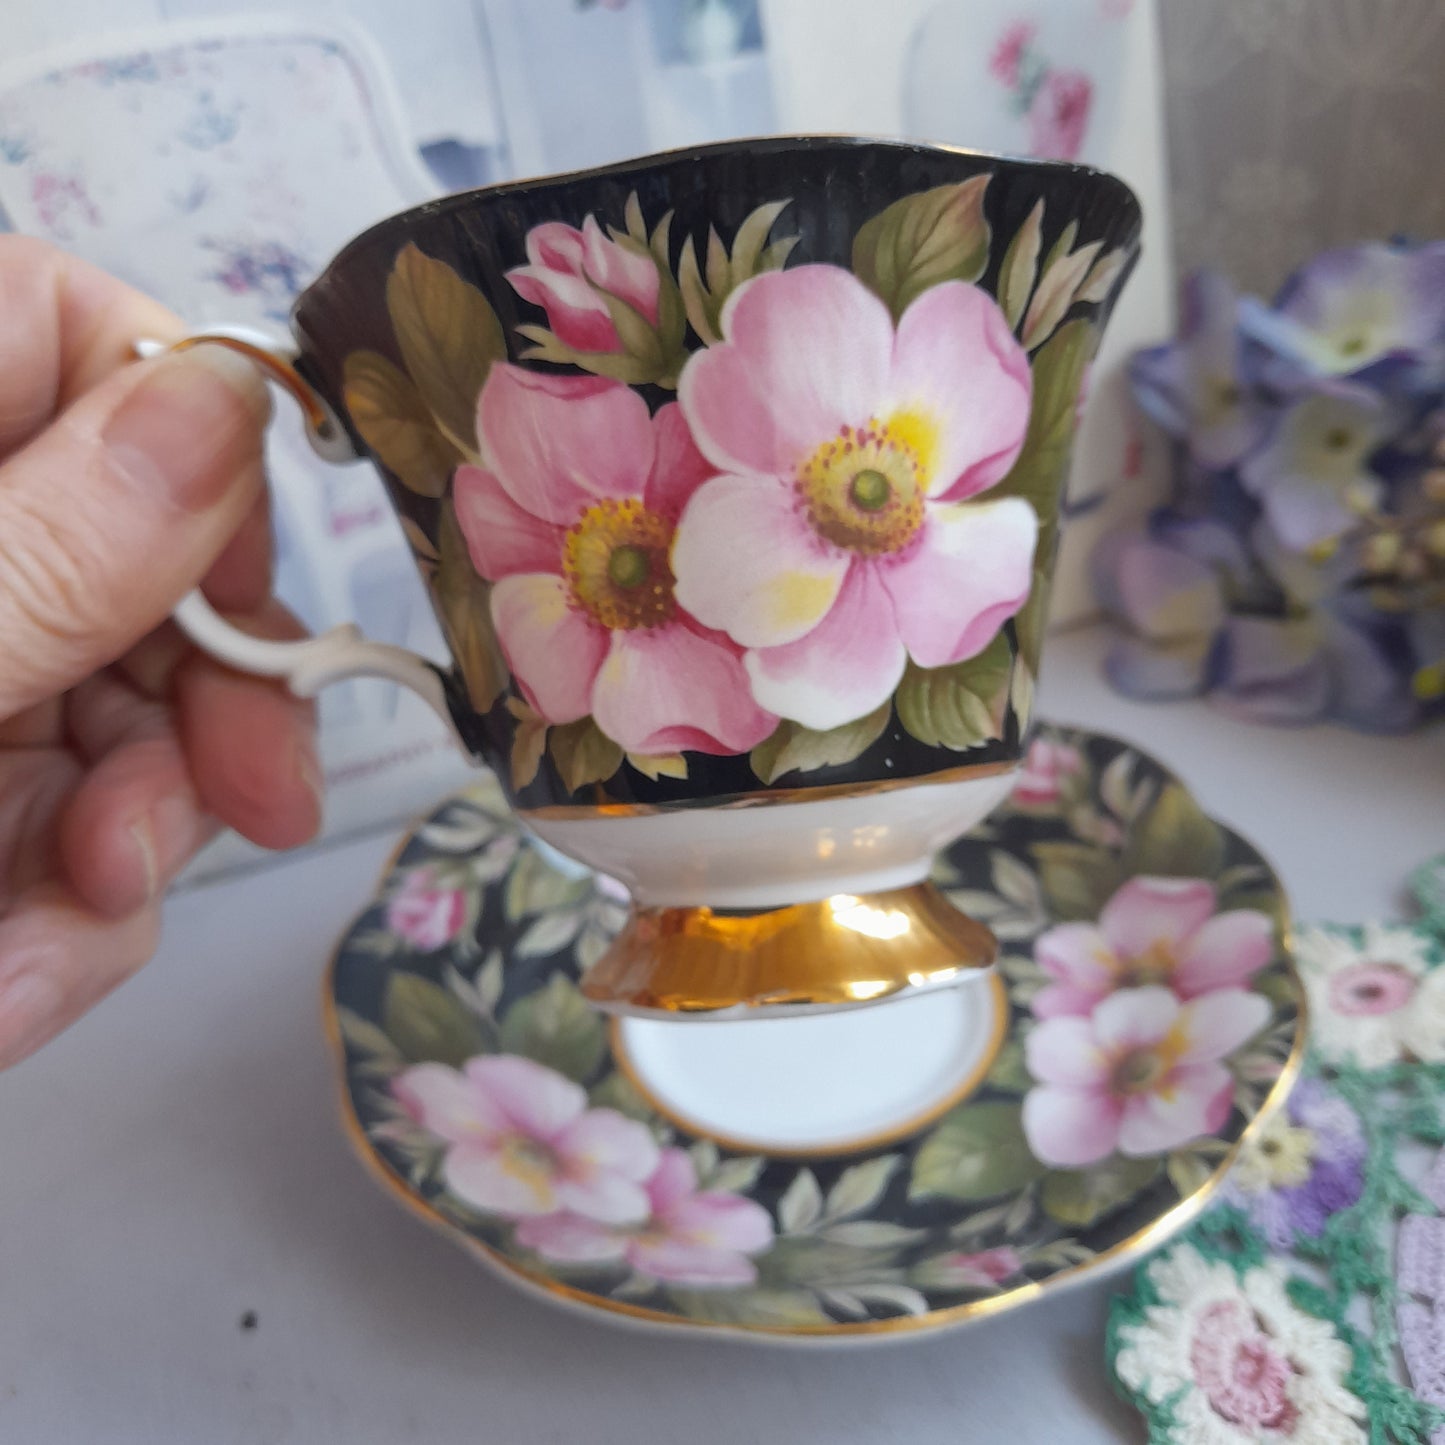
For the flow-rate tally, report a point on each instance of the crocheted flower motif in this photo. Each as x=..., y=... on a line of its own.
x=1303, y=1167
x=1374, y=997
x=1233, y=1361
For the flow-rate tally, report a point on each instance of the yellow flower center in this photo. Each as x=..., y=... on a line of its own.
x=1146, y=1070
x=531, y=1163
x=1154, y=965
x=864, y=488
x=615, y=562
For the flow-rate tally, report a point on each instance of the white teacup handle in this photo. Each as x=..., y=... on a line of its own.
x=335, y=656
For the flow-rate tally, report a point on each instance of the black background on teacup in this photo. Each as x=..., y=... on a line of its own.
x=834, y=187
x=360, y=977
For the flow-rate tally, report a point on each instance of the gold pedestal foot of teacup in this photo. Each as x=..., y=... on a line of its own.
x=840, y=952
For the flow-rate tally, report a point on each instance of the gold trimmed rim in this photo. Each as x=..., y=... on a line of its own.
x=906, y=1128
x=734, y=802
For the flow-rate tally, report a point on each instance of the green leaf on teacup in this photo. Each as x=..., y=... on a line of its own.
x=1021, y=266
x=529, y=741
x=465, y=603
x=430, y=1023
x=1038, y=476
x=703, y=296
x=449, y=337
x=1031, y=620
x=1080, y=1198
x=659, y=765
x=583, y=753
x=1057, y=291
x=556, y=1026
x=1175, y=839
x=961, y=706
x=923, y=240
x=977, y=1152
x=1078, y=879
x=792, y=748
x=397, y=425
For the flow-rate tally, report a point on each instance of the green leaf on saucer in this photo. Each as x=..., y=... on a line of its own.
x=801, y=1206
x=617, y=1091
x=792, y=748
x=1175, y=839
x=397, y=425
x=923, y=240
x=1189, y=1172
x=556, y=1026
x=535, y=886
x=957, y=707
x=860, y=1187
x=1078, y=878
x=583, y=753
x=1008, y=1074
x=430, y=1024
x=465, y=602
x=1080, y=1198
x=778, y=1308
x=449, y=337
x=977, y=1152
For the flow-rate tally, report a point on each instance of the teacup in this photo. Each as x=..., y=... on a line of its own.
x=735, y=477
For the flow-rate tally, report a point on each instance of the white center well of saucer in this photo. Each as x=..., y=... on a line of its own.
x=832, y=1081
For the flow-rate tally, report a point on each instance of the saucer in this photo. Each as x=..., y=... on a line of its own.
x=903, y=1167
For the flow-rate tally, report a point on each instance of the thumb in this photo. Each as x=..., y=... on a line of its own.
x=117, y=509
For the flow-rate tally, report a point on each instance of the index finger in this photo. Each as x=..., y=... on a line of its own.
x=68, y=325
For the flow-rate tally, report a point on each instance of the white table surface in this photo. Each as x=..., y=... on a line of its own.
x=174, y=1162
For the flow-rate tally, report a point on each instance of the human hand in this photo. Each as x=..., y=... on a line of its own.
x=122, y=485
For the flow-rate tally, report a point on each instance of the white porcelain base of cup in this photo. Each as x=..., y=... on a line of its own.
x=779, y=853
x=823, y=1082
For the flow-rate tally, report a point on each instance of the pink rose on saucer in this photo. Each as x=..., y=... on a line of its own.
x=572, y=516
x=570, y=273
x=1047, y=769
x=1059, y=115
x=1141, y=1075
x=1152, y=931
x=853, y=454
x=702, y=1238
x=523, y=1141
x=424, y=914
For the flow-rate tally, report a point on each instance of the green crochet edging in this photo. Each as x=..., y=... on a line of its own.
x=1353, y=1258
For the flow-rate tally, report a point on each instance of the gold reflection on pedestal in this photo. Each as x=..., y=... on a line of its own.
x=845, y=950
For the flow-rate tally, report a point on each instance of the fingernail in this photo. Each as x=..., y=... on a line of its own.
x=145, y=846
x=189, y=424
x=308, y=769
x=166, y=839
x=29, y=1009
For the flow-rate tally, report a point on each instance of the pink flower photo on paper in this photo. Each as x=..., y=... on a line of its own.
x=1153, y=931
x=1142, y=1074
x=572, y=515
x=1056, y=102
x=699, y=1238
x=1059, y=115
x=853, y=456
x=522, y=1141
